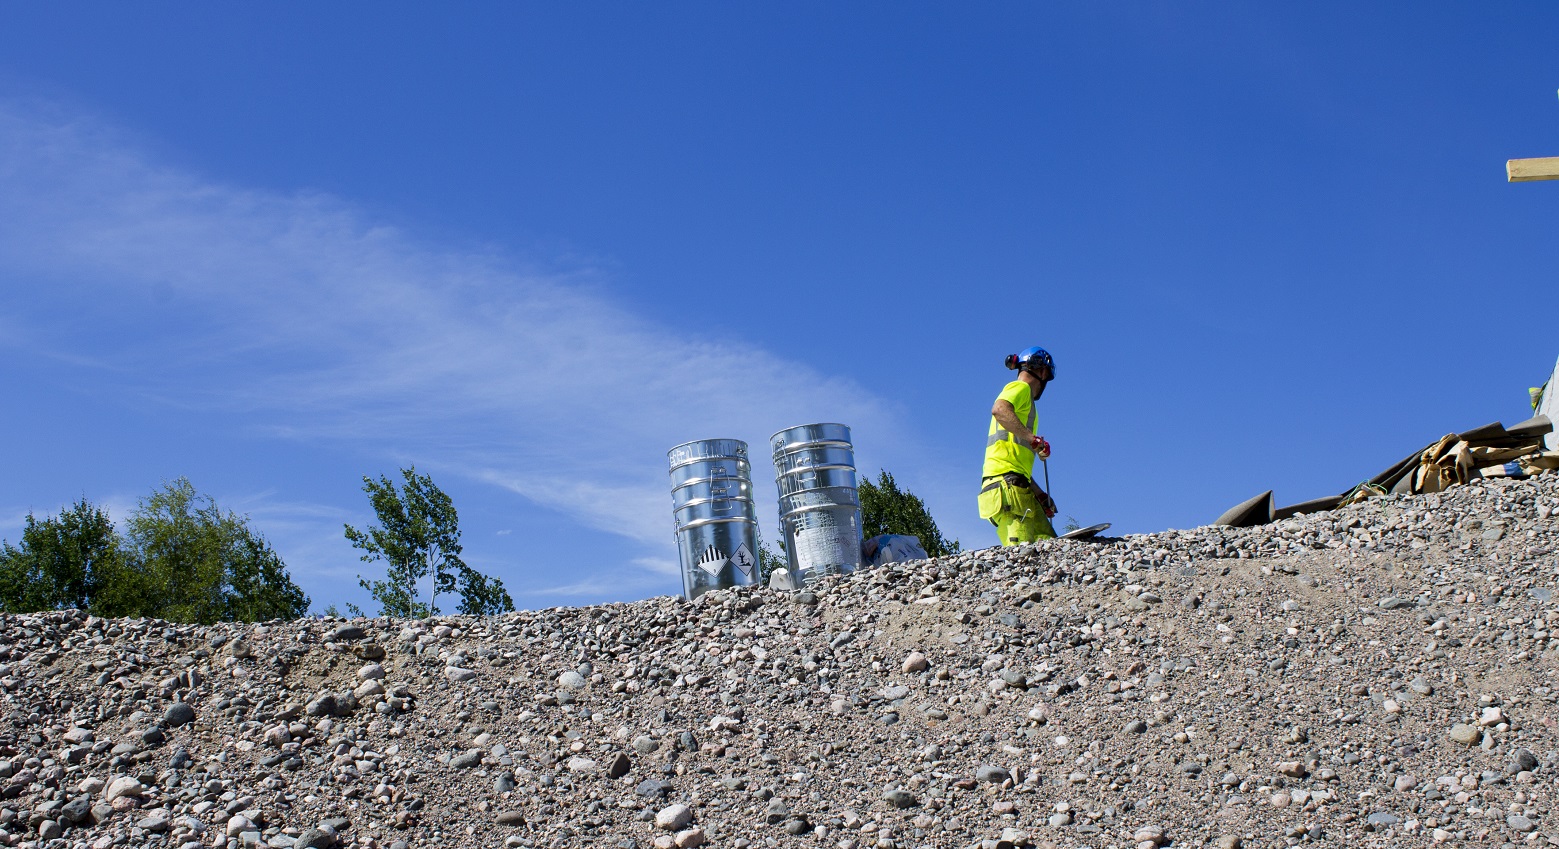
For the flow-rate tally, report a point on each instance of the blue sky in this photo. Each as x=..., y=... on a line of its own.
x=530, y=247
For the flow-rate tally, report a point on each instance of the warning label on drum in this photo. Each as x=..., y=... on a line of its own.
x=742, y=559
x=823, y=546
x=712, y=560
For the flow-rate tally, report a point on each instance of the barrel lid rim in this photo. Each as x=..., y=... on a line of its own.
x=807, y=424
x=710, y=439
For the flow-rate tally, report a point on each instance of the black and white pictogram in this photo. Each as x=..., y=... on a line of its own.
x=712, y=560
x=744, y=560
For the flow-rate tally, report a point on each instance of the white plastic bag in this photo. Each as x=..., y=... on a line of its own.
x=892, y=548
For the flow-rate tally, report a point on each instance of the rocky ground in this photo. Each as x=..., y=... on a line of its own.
x=1376, y=676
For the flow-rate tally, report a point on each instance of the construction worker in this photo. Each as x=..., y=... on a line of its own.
x=1016, y=505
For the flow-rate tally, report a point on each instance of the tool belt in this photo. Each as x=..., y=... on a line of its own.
x=1012, y=478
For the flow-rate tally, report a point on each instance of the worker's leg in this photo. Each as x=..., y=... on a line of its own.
x=1027, y=522
x=1003, y=522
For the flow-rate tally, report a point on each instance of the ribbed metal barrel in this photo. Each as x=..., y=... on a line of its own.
x=820, y=507
x=716, y=521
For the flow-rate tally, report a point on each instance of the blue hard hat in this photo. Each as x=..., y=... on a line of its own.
x=1031, y=359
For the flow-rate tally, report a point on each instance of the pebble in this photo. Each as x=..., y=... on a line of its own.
x=900, y=798
x=674, y=817
x=177, y=714
x=1520, y=823
x=992, y=775
x=123, y=785
x=1464, y=734
x=1524, y=760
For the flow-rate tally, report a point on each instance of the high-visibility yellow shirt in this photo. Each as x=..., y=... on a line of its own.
x=1003, y=453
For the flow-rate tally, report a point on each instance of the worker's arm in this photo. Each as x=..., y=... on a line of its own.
x=1008, y=419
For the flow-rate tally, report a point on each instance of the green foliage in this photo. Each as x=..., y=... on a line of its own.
x=181, y=559
x=195, y=563
x=769, y=559
x=481, y=595
x=886, y=509
x=63, y=561
x=418, y=537
x=1071, y=525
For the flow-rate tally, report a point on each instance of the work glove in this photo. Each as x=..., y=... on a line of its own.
x=1050, y=507
x=1040, y=446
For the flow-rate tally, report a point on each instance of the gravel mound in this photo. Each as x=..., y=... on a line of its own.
x=1376, y=676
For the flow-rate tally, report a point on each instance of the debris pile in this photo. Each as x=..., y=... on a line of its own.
x=1491, y=451
x=1378, y=675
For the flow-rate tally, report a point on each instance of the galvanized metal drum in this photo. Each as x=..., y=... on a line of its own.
x=820, y=507
x=809, y=478
x=716, y=520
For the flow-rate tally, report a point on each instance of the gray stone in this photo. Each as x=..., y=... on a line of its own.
x=325, y=705
x=992, y=775
x=1382, y=818
x=467, y=760
x=674, y=818
x=618, y=766
x=571, y=680
x=124, y=785
x=1517, y=822
x=77, y=810
x=347, y=634
x=653, y=787
x=776, y=812
x=899, y=798
x=1524, y=760
x=177, y=714
x=314, y=838
x=1465, y=735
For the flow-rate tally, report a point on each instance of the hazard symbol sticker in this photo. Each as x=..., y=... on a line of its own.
x=744, y=560
x=712, y=560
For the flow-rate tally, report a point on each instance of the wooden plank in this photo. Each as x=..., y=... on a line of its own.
x=1527, y=170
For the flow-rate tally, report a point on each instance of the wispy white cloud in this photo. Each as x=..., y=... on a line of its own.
x=658, y=565
x=315, y=322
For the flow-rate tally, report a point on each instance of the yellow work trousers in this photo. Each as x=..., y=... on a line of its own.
x=1015, y=511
